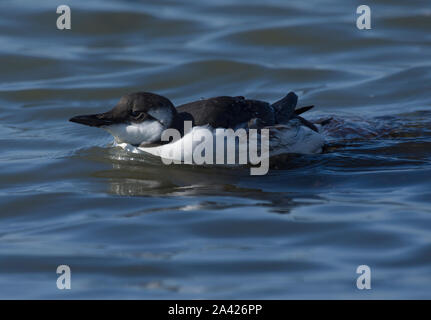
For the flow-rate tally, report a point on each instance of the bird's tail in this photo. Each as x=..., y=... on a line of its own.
x=285, y=110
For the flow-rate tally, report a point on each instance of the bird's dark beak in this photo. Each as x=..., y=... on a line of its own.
x=93, y=120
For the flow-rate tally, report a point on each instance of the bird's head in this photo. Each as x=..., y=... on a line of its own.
x=138, y=118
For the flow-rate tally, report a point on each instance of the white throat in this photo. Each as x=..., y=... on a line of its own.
x=146, y=132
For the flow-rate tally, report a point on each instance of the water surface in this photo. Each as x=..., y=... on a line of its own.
x=130, y=227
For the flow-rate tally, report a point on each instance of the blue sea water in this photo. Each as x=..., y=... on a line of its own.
x=131, y=228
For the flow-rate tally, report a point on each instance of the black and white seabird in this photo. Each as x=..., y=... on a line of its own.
x=139, y=119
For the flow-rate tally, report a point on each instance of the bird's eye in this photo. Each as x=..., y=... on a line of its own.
x=138, y=115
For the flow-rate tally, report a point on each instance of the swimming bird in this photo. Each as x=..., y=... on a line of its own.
x=139, y=119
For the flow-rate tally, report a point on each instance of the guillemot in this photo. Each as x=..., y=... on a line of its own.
x=139, y=119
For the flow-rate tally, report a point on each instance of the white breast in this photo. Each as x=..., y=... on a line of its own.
x=290, y=138
x=178, y=150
